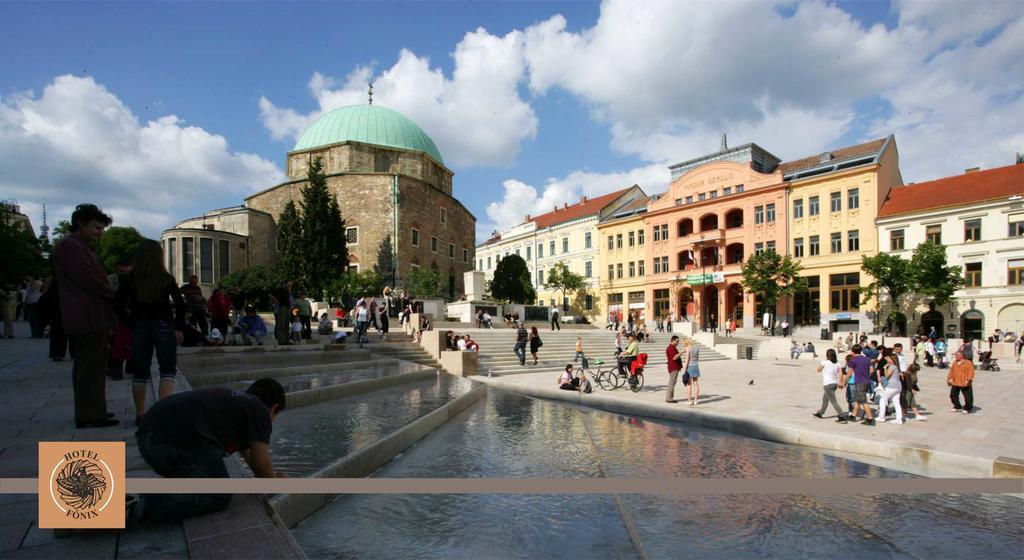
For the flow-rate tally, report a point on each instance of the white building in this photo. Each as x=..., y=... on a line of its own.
x=979, y=217
x=565, y=235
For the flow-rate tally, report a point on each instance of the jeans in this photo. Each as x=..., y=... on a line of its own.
x=172, y=461
x=282, y=325
x=577, y=357
x=89, y=376
x=829, y=396
x=361, y=328
x=154, y=335
x=554, y=323
x=520, y=350
x=968, y=392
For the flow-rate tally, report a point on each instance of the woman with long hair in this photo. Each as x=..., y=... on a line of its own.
x=830, y=371
x=535, y=343
x=892, y=388
x=691, y=369
x=144, y=300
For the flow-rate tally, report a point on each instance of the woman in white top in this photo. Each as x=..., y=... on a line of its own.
x=830, y=370
x=892, y=389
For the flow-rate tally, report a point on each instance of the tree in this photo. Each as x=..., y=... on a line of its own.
x=511, y=281
x=116, y=245
x=353, y=285
x=772, y=276
x=561, y=279
x=19, y=250
x=325, y=254
x=385, y=257
x=63, y=228
x=892, y=274
x=931, y=277
x=255, y=284
x=422, y=283
x=290, y=258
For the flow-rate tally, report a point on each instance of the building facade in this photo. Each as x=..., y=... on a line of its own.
x=718, y=210
x=833, y=201
x=567, y=235
x=979, y=217
x=393, y=189
x=218, y=243
x=622, y=258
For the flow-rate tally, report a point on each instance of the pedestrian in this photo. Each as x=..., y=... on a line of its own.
x=253, y=326
x=8, y=309
x=144, y=299
x=219, y=307
x=692, y=370
x=49, y=310
x=487, y=320
x=961, y=382
x=620, y=341
x=785, y=327
x=967, y=349
x=893, y=389
x=731, y=329
x=187, y=435
x=305, y=315
x=87, y=308
x=282, y=300
x=579, y=350
x=910, y=389
x=830, y=369
x=628, y=356
x=535, y=343
x=675, y=363
x=296, y=327
x=522, y=336
x=921, y=352
x=940, y=353
x=383, y=310
x=33, y=291
x=668, y=324
x=237, y=306
x=555, y=318
x=930, y=352
x=196, y=301
x=859, y=369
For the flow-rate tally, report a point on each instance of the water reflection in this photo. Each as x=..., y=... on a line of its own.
x=509, y=435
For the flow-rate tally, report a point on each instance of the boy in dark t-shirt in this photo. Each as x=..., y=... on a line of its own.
x=187, y=435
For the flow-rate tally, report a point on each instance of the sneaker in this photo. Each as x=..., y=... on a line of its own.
x=868, y=422
x=882, y=419
x=920, y=418
x=965, y=411
x=817, y=415
x=955, y=410
x=842, y=420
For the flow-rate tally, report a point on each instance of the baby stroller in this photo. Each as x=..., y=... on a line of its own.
x=636, y=373
x=988, y=363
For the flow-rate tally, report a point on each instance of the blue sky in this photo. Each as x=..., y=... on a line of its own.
x=557, y=99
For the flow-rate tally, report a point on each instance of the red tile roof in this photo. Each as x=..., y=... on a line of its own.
x=957, y=190
x=840, y=154
x=588, y=207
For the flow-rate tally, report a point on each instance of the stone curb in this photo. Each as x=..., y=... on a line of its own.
x=220, y=377
x=920, y=457
x=309, y=397
x=293, y=508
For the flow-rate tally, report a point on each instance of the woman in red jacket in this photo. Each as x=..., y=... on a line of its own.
x=220, y=311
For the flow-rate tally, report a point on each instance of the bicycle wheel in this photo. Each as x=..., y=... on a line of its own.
x=606, y=380
x=639, y=384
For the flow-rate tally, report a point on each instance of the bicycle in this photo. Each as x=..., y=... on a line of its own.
x=605, y=378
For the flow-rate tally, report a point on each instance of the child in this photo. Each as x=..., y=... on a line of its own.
x=296, y=327
x=324, y=326
x=911, y=388
x=579, y=349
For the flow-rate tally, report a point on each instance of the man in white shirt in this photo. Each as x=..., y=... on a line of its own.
x=461, y=343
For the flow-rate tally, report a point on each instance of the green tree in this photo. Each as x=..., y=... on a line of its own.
x=561, y=279
x=290, y=258
x=325, y=254
x=254, y=283
x=63, y=228
x=351, y=286
x=892, y=274
x=424, y=284
x=932, y=278
x=19, y=250
x=117, y=244
x=385, y=257
x=772, y=276
x=511, y=281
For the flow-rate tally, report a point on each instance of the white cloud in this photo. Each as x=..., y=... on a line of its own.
x=476, y=117
x=77, y=142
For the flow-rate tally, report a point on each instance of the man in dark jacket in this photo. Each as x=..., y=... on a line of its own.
x=87, y=310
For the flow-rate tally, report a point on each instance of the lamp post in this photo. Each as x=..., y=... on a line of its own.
x=703, y=287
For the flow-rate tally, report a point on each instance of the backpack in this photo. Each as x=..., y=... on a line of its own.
x=539, y=342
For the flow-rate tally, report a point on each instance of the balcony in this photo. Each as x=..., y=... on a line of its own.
x=710, y=237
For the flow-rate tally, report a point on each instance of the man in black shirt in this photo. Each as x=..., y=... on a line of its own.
x=520, y=348
x=196, y=302
x=187, y=435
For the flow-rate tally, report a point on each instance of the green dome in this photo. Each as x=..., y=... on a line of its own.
x=370, y=124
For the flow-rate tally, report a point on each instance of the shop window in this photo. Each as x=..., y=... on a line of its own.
x=844, y=291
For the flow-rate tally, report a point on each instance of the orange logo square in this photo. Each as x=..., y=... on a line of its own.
x=81, y=485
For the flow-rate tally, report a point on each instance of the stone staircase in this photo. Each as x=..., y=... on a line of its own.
x=497, y=358
x=401, y=347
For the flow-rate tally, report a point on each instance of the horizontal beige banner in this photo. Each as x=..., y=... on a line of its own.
x=670, y=486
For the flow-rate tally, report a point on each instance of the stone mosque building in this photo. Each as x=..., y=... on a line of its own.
x=393, y=188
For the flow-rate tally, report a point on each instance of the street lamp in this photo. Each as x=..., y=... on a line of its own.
x=703, y=287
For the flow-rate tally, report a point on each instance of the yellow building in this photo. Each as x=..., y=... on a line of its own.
x=622, y=258
x=566, y=235
x=833, y=200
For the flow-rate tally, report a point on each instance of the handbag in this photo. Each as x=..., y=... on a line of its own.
x=686, y=378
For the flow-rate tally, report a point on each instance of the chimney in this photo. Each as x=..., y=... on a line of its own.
x=565, y=205
x=583, y=199
x=527, y=218
x=972, y=170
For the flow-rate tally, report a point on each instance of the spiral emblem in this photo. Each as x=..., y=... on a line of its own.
x=81, y=484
